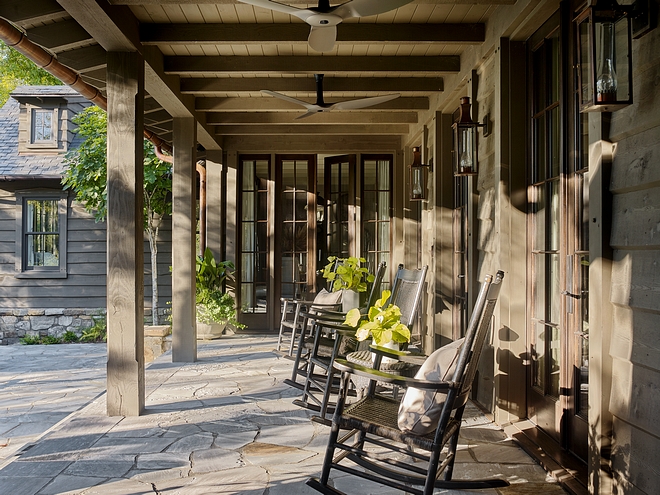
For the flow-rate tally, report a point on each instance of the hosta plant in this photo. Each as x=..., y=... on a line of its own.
x=347, y=273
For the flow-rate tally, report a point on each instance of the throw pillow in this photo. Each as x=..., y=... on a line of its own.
x=420, y=410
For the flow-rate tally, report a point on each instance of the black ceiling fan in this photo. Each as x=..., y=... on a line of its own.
x=321, y=106
x=324, y=18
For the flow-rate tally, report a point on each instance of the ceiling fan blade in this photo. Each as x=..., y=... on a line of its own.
x=363, y=102
x=364, y=8
x=287, y=98
x=279, y=7
x=308, y=114
x=322, y=39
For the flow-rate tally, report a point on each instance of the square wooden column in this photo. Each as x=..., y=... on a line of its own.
x=215, y=203
x=125, y=241
x=184, y=229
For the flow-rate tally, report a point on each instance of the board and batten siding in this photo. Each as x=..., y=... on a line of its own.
x=85, y=285
x=635, y=288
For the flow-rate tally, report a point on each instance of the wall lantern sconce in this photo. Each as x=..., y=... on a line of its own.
x=604, y=52
x=466, y=159
x=419, y=176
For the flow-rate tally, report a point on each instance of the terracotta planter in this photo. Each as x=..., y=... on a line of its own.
x=206, y=331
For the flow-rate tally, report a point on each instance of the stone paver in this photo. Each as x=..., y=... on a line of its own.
x=225, y=424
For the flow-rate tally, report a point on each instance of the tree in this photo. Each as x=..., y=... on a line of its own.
x=86, y=175
x=15, y=69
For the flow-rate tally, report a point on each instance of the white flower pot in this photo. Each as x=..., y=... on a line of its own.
x=349, y=300
x=389, y=345
x=206, y=331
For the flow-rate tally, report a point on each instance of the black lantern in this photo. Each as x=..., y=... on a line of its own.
x=466, y=159
x=604, y=54
x=418, y=176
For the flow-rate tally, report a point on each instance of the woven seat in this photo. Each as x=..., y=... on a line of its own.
x=381, y=446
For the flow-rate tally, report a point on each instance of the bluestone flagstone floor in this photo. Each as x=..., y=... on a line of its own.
x=225, y=424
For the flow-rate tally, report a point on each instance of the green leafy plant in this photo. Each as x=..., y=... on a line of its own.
x=96, y=333
x=214, y=305
x=383, y=323
x=346, y=273
x=30, y=340
x=69, y=337
x=49, y=339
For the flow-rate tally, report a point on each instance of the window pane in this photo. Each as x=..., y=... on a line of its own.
x=42, y=216
x=42, y=125
x=383, y=206
x=43, y=250
x=384, y=175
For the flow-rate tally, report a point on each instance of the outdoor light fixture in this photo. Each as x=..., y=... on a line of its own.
x=418, y=176
x=604, y=53
x=466, y=160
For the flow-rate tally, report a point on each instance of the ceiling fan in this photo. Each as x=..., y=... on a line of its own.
x=324, y=18
x=322, y=106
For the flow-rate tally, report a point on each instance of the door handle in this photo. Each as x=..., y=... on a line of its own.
x=574, y=296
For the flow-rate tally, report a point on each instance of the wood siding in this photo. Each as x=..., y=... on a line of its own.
x=635, y=288
x=84, y=286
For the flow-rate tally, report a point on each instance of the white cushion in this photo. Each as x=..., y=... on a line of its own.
x=420, y=410
x=325, y=297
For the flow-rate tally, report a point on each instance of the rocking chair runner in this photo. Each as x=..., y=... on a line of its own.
x=384, y=422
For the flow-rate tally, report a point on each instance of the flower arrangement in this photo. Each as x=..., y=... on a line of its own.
x=346, y=273
x=383, y=323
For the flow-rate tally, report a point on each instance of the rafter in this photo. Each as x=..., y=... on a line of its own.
x=215, y=87
x=275, y=104
x=197, y=34
x=311, y=65
x=283, y=129
x=336, y=118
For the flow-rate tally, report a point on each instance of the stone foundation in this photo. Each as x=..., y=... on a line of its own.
x=18, y=323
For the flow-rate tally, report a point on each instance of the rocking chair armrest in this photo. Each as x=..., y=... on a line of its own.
x=381, y=376
x=403, y=356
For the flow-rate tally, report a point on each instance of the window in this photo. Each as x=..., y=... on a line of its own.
x=42, y=127
x=41, y=235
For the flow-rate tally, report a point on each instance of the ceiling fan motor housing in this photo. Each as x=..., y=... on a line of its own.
x=323, y=20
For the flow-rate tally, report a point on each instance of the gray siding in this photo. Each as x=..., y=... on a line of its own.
x=635, y=290
x=84, y=286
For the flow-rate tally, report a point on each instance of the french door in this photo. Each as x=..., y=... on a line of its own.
x=557, y=246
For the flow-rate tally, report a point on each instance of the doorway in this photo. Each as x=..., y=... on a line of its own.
x=557, y=246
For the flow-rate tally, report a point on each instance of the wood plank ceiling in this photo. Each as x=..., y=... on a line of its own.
x=211, y=59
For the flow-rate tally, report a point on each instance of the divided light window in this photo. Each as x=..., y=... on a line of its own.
x=41, y=246
x=42, y=128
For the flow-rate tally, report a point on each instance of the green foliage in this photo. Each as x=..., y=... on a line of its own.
x=346, y=273
x=383, y=323
x=211, y=274
x=213, y=304
x=16, y=69
x=69, y=337
x=30, y=340
x=96, y=333
x=218, y=307
x=49, y=339
x=86, y=172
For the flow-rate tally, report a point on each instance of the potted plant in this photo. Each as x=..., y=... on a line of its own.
x=382, y=324
x=215, y=307
x=348, y=275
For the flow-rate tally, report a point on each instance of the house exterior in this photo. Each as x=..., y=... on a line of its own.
x=53, y=252
x=566, y=199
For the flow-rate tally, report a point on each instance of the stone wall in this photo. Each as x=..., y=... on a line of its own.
x=18, y=323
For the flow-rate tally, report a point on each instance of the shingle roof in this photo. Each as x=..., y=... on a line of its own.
x=11, y=163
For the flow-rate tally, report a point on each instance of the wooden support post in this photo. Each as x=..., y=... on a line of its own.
x=125, y=243
x=215, y=203
x=184, y=228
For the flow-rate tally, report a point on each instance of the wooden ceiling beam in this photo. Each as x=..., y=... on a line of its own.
x=31, y=12
x=59, y=36
x=336, y=118
x=275, y=104
x=212, y=87
x=200, y=64
x=199, y=34
x=86, y=59
x=282, y=129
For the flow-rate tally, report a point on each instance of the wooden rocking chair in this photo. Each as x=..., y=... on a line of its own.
x=401, y=446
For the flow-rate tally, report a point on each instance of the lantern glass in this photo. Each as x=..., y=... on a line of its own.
x=418, y=182
x=465, y=149
x=604, y=54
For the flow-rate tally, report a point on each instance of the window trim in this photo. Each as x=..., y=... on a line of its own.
x=51, y=144
x=21, y=256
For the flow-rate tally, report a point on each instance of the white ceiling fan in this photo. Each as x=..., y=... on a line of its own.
x=324, y=18
x=322, y=106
